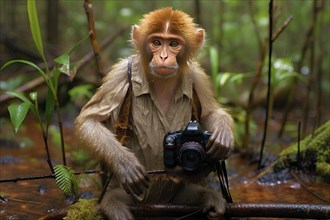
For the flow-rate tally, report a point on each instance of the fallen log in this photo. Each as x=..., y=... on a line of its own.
x=265, y=210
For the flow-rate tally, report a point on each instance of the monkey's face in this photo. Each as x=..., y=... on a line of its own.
x=165, y=49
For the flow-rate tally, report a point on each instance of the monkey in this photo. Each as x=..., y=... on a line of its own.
x=164, y=75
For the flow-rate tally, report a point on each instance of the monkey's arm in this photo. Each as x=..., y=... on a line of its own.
x=89, y=128
x=221, y=142
x=214, y=118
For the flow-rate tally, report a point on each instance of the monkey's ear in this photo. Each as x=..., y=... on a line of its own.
x=200, y=37
x=135, y=34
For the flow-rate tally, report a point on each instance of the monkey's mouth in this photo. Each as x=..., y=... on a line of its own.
x=165, y=67
x=163, y=71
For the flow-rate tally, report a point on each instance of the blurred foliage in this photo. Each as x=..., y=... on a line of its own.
x=227, y=23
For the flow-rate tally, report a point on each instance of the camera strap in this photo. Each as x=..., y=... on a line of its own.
x=223, y=180
x=196, y=111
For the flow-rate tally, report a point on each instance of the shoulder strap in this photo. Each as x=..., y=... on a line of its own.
x=196, y=111
x=123, y=126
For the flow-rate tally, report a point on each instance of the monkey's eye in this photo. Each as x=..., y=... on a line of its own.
x=174, y=44
x=156, y=43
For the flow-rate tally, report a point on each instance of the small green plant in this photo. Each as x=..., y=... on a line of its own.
x=64, y=176
x=66, y=180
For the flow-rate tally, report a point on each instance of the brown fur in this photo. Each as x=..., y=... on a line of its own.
x=180, y=24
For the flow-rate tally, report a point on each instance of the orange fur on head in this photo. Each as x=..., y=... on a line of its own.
x=171, y=21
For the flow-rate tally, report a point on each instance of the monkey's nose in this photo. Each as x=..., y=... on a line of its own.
x=163, y=55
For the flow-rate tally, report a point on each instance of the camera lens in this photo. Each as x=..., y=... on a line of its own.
x=191, y=156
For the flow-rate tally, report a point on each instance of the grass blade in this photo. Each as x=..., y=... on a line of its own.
x=34, y=26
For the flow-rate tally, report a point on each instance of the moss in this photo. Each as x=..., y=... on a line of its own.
x=315, y=152
x=323, y=169
x=84, y=209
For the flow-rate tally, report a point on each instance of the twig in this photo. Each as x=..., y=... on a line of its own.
x=298, y=153
x=92, y=34
x=198, y=12
x=255, y=26
x=307, y=189
x=24, y=201
x=105, y=187
x=255, y=81
x=311, y=76
x=282, y=28
x=270, y=45
x=49, y=176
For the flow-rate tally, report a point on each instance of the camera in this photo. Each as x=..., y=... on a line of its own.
x=186, y=147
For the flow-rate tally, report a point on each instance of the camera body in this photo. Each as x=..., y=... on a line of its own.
x=186, y=147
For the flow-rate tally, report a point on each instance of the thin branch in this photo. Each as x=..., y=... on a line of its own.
x=255, y=26
x=301, y=182
x=282, y=28
x=105, y=187
x=311, y=76
x=17, y=179
x=49, y=176
x=92, y=34
x=270, y=45
x=298, y=141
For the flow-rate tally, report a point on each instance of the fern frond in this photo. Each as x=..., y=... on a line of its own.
x=66, y=180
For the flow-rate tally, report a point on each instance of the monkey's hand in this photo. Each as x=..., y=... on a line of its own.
x=131, y=174
x=214, y=205
x=220, y=144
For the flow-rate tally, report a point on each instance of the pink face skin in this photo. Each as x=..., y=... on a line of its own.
x=165, y=49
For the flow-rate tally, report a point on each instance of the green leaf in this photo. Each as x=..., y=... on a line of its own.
x=34, y=96
x=20, y=95
x=65, y=66
x=223, y=78
x=63, y=59
x=214, y=62
x=18, y=113
x=34, y=26
x=27, y=63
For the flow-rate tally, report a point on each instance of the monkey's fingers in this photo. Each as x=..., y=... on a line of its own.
x=129, y=182
x=213, y=144
x=135, y=188
x=144, y=173
x=210, y=142
x=143, y=177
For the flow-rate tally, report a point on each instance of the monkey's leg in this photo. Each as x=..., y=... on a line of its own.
x=115, y=205
x=211, y=201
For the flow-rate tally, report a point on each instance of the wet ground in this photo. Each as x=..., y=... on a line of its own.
x=24, y=157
